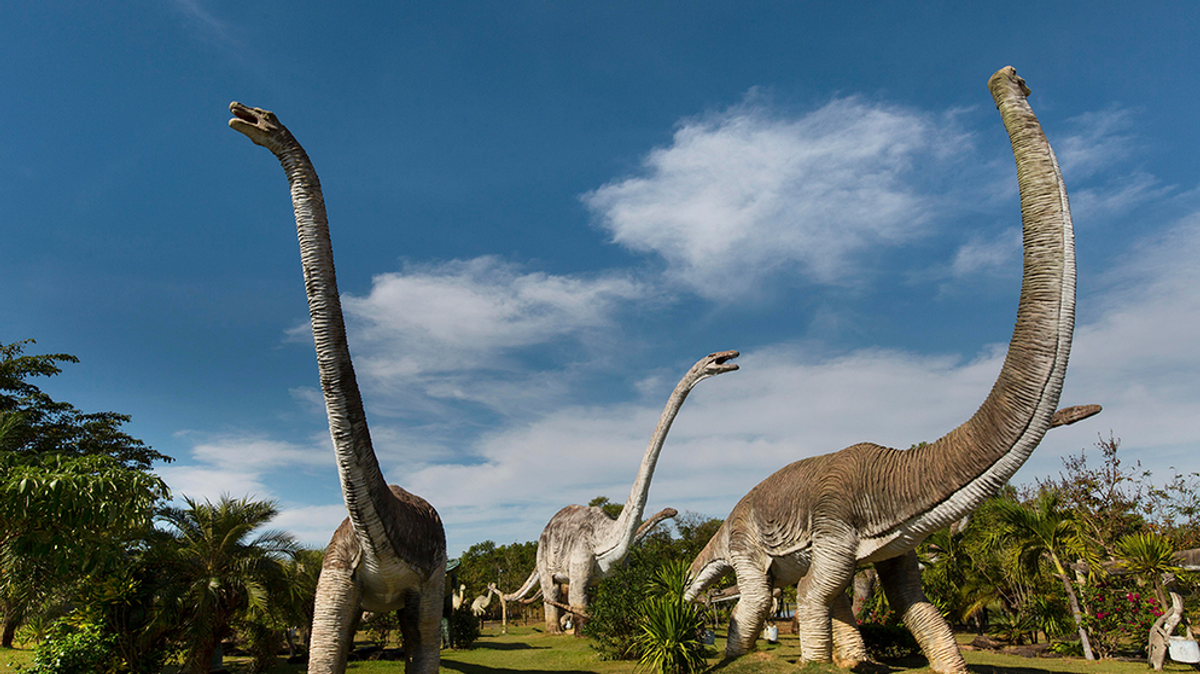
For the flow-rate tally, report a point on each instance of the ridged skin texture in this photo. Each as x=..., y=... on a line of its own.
x=390, y=553
x=815, y=520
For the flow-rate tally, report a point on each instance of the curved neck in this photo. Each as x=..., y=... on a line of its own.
x=363, y=484
x=626, y=526
x=956, y=473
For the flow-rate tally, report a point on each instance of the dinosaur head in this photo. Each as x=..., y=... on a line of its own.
x=714, y=364
x=260, y=126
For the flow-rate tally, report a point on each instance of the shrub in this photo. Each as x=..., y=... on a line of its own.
x=464, y=627
x=669, y=638
x=612, y=621
x=888, y=642
x=1118, y=618
x=71, y=649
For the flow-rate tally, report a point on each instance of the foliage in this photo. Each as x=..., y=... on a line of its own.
x=380, y=627
x=888, y=641
x=507, y=566
x=74, y=489
x=1119, y=618
x=464, y=627
x=611, y=509
x=670, y=641
x=225, y=573
x=51, y=427
x=71, y=649
x=1148, y=556
x=1015, y=629
x=612, y=624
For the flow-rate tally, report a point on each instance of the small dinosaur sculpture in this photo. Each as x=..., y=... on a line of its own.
x=390, y=553
x=814, y=520
x=581, y=545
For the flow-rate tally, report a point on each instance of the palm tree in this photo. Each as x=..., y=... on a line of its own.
x=1044, y=531
x=1148, y=556
x=225, y=572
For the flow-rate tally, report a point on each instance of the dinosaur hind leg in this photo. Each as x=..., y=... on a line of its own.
x=901, y=580
x=848, y=647
x=748, y=616
x=335, y=617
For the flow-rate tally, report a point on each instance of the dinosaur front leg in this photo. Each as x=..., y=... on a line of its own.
x=421, y=627
x=335, y=617
x=829, y=574
x=577, y=592
x=901, y=580
x=748, y=616
x=848, y=647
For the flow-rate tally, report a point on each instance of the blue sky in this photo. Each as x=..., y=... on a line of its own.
x=544, y=213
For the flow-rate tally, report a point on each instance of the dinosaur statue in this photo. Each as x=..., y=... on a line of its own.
x=533, y=581
x=390, y=553
x=581, y=545
x=481, y=603
x=814, y=520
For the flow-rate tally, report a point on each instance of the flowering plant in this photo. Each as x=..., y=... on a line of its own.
x=1118, y=618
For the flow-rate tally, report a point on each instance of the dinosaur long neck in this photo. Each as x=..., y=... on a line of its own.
x=956, y=473
x=363, y=485
x=631, y=515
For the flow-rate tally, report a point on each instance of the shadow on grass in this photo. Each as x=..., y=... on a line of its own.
x=507, y=646
x=467, y=668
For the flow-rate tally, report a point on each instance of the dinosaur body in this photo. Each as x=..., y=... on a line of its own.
x=815, y=520
x=581, y=545
x=390, y=553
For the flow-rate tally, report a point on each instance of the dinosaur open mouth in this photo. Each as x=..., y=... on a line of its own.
x=243, y=113
x=723, y=359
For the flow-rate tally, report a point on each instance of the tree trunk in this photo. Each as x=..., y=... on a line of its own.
x=1075, y=613
x=10, y=632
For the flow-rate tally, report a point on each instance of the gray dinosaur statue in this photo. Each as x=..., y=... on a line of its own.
x=815, y=520
x=581, y=545
x=390, y=553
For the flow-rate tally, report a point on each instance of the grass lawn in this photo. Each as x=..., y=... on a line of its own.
x=529, y=649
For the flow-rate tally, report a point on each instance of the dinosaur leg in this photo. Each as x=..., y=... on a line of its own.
x=901, y=580
x=421, y=628
x=335, y=617
x=829, y=574
x=577, y=594
x=848, y=647
x=748, y=616
x=551, y=593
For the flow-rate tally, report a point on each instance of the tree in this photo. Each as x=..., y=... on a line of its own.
x=73, y=487
x=1045, y=530
x=226, y=573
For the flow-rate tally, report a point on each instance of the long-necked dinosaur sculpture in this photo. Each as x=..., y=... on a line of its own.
x=390, y=553
x=581, y=545
x=814, y=520
x=533, y=581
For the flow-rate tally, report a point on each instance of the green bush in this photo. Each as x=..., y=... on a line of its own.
x=70, y=649
x=464, y=627
x=669, y=639
x=888, y=642
x=612, y=621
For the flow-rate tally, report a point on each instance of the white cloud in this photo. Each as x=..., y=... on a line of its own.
x=988, y=256
x=742, y=194
x=454, y=331
x=241, y=465
x=1098, y=143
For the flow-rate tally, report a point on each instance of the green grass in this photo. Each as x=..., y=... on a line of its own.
x=530, y=650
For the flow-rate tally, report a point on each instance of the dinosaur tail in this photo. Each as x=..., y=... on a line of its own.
x=530, y=583
x=712, y=561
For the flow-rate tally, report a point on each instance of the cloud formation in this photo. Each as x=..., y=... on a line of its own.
x=740, y=195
